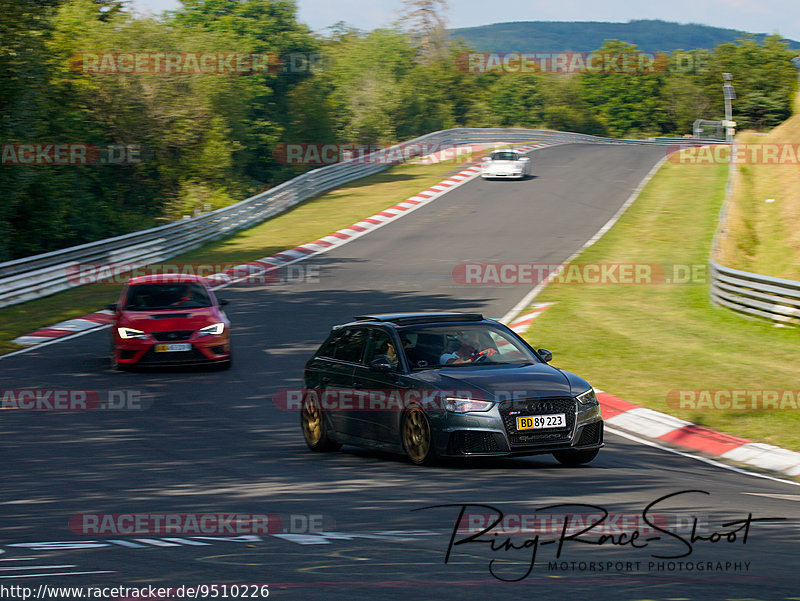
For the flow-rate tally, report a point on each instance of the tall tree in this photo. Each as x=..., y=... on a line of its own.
x=627, y=103
x=427, y=26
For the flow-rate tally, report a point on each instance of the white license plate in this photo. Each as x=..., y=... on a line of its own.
x=173, y=348
x=538, y=422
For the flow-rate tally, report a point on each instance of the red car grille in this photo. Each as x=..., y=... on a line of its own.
x=173, y=336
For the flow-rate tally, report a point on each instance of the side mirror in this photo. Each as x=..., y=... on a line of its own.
x=381, y=364
x=223, y=302
x=112, y=307
x=546, y=355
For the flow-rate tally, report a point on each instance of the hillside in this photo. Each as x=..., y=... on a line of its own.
x=586, y=36
x=763, y=217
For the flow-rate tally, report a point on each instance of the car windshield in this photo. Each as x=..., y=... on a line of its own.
x=462, y=345
x=179, y=295
x=504, y=156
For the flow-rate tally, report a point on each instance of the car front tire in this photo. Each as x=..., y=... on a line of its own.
x=417, y=438
x=572, y=458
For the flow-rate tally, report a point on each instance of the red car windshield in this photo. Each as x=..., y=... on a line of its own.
x=149, y=297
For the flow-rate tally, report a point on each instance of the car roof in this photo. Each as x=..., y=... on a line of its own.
x=402, y=319
x=166, y=278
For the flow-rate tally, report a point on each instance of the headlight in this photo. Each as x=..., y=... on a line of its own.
x=457, y=405
x=588, y=398
x=212, y=330
x=127, y=333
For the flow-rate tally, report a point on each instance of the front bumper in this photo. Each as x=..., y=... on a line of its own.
x=503, y=175
x=493, y=434
x=204, y=349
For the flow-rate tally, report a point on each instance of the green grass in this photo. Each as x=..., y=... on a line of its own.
x=640, y=342
x=306, y=222
x=764, y=237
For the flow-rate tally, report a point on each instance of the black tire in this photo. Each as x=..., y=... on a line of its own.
x=112, y=357
x=315, y=430
x=417, y=438
x=575, y=457
x=116, y=365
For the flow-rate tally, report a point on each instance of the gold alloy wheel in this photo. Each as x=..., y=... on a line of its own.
x=311, y=419
x=417, y=435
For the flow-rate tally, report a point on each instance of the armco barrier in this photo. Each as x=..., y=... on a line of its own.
x=41, y=275
x=761, y=295
x=750, y=293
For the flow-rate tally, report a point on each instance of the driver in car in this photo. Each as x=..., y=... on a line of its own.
x=468, y=351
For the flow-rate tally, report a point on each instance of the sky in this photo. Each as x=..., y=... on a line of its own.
x=755, y=16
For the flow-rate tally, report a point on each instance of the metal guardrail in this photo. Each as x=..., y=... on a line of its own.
x=44, y=274
x=761, y=295
x=764, y=296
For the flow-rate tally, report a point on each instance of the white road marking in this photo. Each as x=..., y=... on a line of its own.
x=325, y=538
x=774, y=496
x=60, y=574
x=37, y=568
x=642, y=419
x=156, y=542
x=304, y=539
x=731, y=468
x=126, y=543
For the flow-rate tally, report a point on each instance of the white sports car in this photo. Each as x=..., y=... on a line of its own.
x=507, y=164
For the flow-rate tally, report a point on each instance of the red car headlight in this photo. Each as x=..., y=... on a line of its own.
x=127, y=333
x=212, y=330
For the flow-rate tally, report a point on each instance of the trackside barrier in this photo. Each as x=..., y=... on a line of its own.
x=764, y=296
x=761, y=295
x=44, y=274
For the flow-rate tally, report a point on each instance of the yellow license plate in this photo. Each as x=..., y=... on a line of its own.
x=173, y=348
x=538, y=422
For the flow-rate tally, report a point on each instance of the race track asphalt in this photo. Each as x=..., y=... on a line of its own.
x=215, y=442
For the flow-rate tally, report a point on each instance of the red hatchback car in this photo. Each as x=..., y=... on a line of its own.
x=169, y=320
